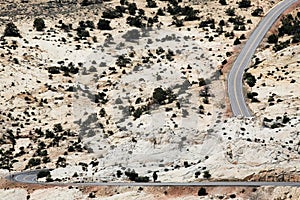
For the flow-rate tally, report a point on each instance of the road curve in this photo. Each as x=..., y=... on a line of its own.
x=30, y=177
x=235, y=77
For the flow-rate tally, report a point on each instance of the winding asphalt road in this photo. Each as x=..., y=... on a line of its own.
x=238, y=105
x=235, y=77
x=31, y=178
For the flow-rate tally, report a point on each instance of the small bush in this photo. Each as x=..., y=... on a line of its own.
x=85, y=3
x=82, y=33
x=236, y=41
x=160, y=96
x=230, y=11
x=250, y=79
x=281, y=45
x=112, y=14
x=273, y=39
x=11, y=30
x=39, y=24
x=142, y=179
x=135, y=21
x=257, y=12
x=49, y=179
x=132, y=175
x=86, y=24
x=57, y=128
x=92, y=195
x=296, y=38
x=223, y=2
x=34, y=162
x=202, y=192
x=245, y=4
x=177, y=22
x=206, y=174
x=151, y=4
x=202, y=82
x=160, y=12
x=104, y=24
x=132, y=8
x=43, y=173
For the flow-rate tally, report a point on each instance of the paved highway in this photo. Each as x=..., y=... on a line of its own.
x=235, y=77
x=30, y=177
x=24, y=177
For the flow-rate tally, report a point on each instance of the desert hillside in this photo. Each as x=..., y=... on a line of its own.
x=117, y=90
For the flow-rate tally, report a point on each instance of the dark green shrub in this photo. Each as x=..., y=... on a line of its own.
x=257, y=12
x=242, y=37
x=160, y=96
x=132, y=8
x=104, y=24
x=119, y=173
x=202, y=192
x=160, y=12
x=190, y=13
x=92, y=195
x=42, y=153
x=142, y=179
x=273, y=39
x=230, y=11
x=33, y=162
x=57, y=128
x=202, y=82
x=39, y=24
x=49, y=134
x=11, y=30
x=43, y=173
x=281, y=45
x=285, y=119
x=85, y=3
x=223, y=2
x=137, y=113
x=222, y=23
x=205, y=100
x=244, y=4
x=122, y=61
x=82, y=33
x=151, y=4
x=112, y=14
x=236, y=41
x=177, y=22
x=296, y=38
x=174, y=9
x=250, y=79
x=86, y=24
x=135, y=21
x=289, y=25
x=49, y=179
x=251, y=95
x=132, y=175
x=46, y=159
x=61, y=162
x=238, y=20
x=206, y=174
